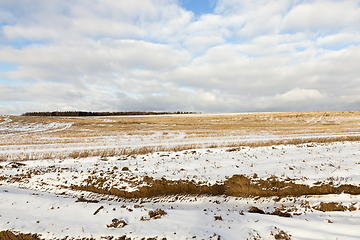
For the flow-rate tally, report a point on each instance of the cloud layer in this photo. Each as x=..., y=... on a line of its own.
x=259, y=55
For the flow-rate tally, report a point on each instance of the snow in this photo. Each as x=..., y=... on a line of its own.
x=43, y=203
x=60, y=216
x=21, y=208
x=8, y=127
x=336, y=162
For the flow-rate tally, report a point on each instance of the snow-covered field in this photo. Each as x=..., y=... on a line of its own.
x=298, y=191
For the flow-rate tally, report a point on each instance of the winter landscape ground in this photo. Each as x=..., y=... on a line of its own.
x=199, y=176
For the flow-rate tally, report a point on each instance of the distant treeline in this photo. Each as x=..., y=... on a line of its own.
x=84, y=114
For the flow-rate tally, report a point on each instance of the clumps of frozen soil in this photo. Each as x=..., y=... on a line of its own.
x=253, y=209
x=280, y=234
x=334, y=206
x=117, y=223
x=304, y=206
x=156, y=214
x=15, y=165
x=254, y=235
x=278, y=212
x=82, y=199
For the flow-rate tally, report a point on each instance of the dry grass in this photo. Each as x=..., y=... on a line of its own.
x=206, y=124
x=143, y=150
x=95, y=131
x=199, y=123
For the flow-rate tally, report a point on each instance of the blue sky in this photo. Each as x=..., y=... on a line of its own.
x=199, y=7
x=186, y=55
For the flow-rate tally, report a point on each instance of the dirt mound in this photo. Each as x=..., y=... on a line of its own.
x=331, y=206
x=242, y=186
x=237, y=186
x=9, y=235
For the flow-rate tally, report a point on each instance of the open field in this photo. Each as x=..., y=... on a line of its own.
x=201, y=176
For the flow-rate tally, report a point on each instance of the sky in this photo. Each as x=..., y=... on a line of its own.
x=179, y=55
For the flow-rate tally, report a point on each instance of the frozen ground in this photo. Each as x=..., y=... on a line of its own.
x=8, y=127
x=189, y=218
x=46, y=210
x=338, y=163
x=84, y=197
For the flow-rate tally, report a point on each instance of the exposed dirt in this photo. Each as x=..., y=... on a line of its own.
x=304, y=206
x=15, y=165
x=157, y=213
x=9, y=235
x=280, y=234
x=280, y=213
x=330, y=206
x=277, y=212
x=117, y=223
x=254, y=235
x=254, y=209
x=82, y=199
x=237, y=186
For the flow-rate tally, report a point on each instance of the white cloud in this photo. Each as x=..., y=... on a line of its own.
x=96, y=58
x=198, y=44
x=323, y=16
x=258, y=17
x=339, y=40
x=299, y=94
x=30, y=33
x=258, y=55
x=41, y=92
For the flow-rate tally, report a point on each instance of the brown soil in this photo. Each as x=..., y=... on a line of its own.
x=253, y=209
x=157, y=213
x=281, y=214
x=237, y=186
x=280, y=234
x=277, y=212
x=82, y=199
x=331, y=206
x=9, y=235
x=117, y=223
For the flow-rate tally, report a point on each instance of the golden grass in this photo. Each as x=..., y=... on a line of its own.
x=278, y=123
x=95, y=131
x=143, y=150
